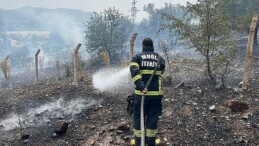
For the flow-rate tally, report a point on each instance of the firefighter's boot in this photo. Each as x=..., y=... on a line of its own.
x=132, y=142
x=158, y=142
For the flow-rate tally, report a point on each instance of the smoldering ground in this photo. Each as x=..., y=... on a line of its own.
x=47, y=113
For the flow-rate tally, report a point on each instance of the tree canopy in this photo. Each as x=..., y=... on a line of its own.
x=108, y=30
x=150, y=27
x=241, y=12
x=206, y=26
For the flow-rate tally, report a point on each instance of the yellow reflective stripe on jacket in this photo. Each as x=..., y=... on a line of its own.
x=160, y=84
x=150, y=93
x=153, y=93
x=151, y=133
x=134, y=64
x=137, y=133
x=150, y=72
x=136, y=78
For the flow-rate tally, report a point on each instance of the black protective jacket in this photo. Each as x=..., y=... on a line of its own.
x=142, y=67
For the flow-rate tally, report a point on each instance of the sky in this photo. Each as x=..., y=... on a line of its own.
x=90, y=5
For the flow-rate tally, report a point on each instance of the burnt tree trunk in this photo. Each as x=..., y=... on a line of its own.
x=208, y=66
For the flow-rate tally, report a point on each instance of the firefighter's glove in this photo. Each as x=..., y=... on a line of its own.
x=144, y=92
x=130, y=100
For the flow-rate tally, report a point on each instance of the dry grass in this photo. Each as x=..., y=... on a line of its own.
x=105, y=57
x=22, y=127
x=166, y=52
x=58, y=68
x=68, y=69
x=81, y=66
x=68, y=65
x=5, y=68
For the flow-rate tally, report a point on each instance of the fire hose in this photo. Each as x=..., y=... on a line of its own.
x=142, y=119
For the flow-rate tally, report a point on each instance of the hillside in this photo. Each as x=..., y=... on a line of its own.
x=99, y=118
x=36, y=18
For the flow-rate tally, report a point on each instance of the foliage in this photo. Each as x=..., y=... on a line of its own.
x=150, y=27
x=241, y=12
x=221, y=62
x=108, y=30
x=206, y=26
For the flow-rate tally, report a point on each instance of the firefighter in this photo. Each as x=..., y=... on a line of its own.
x=141, y=68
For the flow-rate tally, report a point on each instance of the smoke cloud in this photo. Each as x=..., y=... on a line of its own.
x=56, y=32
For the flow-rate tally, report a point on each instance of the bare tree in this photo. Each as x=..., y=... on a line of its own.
x=166, y=51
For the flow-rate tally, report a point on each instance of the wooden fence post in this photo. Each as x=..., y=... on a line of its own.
x=36, y=66
x=4, y=66
x=249, y=54
x=76, y=63
x=8, y=67
x=132, y=45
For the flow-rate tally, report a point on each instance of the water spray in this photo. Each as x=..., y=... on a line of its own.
x=112, y=79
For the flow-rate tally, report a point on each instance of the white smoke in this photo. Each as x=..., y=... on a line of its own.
x=112, y=79
x=66, y=27
x=56, y=33
x=45, y=113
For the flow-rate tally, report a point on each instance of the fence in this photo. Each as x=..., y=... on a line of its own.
x=42, y=66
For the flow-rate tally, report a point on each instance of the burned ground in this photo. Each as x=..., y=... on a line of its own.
x=186, y=119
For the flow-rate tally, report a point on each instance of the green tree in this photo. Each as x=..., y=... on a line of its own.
x=206, y=26
x=241, y=13
x=151, y=26
x=108, y=30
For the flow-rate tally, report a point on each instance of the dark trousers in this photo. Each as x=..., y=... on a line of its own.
x=152, y=110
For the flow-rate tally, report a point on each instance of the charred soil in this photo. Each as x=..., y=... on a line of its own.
x=186, y=120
